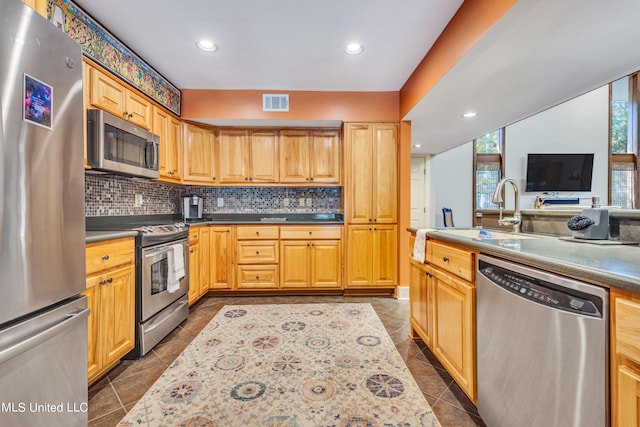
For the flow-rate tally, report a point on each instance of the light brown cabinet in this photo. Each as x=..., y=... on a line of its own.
x=310, y=156
x=372, y=257
x=205, y=259
x=110, y=295
x=257, y=257
x=168, y=129
x=221, y=258
x=311, y=257
x=194, y=265
x=39, y=6
x=198, y=154
x=422, y=302
x=106, y=93
x=247, y=157
x=371, y=159
x=442, y=302
x=625, y=358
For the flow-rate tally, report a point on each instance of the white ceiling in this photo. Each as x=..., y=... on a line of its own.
x=541, y=53
x=278, y=44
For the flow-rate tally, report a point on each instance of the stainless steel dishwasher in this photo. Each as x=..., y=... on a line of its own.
x=542, y=344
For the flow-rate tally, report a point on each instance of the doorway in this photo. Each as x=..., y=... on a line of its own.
x=418, y=192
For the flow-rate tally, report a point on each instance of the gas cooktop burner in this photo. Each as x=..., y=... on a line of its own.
x=162, y=229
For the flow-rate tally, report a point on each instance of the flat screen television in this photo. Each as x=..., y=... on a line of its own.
x=559, y=172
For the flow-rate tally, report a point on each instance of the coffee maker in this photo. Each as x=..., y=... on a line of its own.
x=192, y=207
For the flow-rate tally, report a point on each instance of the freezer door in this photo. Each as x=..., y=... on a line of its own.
x=42, y=205
x=43, y=366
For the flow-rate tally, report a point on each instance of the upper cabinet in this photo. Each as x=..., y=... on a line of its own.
x=168, y=129
x=198, y=154
x=108, y=94
x=310, y=156
x=247, y=157
x=371, y=159
x=39, y=6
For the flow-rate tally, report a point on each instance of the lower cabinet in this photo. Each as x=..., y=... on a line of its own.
x=110, y=296
x=221, y=257
x=442, y=303
x=372, y=255
x=422, y=299
x=257, y=257
x=625, y=358
x=194, y=265
x=310, y=263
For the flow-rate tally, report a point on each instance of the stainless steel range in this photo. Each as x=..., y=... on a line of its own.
x=161, y=295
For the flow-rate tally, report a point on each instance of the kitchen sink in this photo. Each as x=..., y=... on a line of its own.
x=487, y=234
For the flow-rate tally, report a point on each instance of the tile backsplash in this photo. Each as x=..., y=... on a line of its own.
x=108, y=195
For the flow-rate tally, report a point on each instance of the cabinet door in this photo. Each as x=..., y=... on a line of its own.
x=419, y=302
x=117, y=325
x=360, y=172
x=454, y=333
x=359, y=255
x=385, y=255
x=160, y=121
x=628, y=397
x=264, y=157
x=325, y=157
x=294, y=156
x=294, y=265
x=137, y=109
x=106, y=93
x=173, y=149
x=258, y=277
x=385, y=180
x=93, y=354
x=198, y=154
x=205, y=272
x=233, y=156
x=326, y=264
x=194, y=273
x=220, y=259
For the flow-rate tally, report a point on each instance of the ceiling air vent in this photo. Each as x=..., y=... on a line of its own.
x=275, y=102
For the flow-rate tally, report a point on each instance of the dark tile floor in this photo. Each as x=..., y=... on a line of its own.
x=120, y=389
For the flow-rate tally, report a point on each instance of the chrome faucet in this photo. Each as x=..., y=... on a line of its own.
x=516, y=219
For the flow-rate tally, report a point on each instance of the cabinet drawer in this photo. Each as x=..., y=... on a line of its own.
x=257, y=252
x=105, y=255
x=257, y=276
x=310, y=233
x=627, y=324
x=258, y=232
x=454, y=260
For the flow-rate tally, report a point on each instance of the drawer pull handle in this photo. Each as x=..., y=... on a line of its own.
x=257, y=277
x=311, y=232
x=105, y=257
x=257, y=252
x=257, y=233
x=445, y=259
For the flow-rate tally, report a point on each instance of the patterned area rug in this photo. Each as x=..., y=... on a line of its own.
x=287, y=365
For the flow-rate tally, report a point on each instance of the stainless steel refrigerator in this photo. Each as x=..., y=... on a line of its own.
x=43, y=317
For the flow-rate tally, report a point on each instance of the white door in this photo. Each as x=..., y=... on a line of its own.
x=418, y=192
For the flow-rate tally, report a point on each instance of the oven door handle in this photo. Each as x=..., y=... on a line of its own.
x=164, y=250
x=165, y=318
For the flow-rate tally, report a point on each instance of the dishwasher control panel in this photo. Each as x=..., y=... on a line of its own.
x=542, y=292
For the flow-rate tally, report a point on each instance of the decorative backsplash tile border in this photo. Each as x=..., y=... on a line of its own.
x=109, y=195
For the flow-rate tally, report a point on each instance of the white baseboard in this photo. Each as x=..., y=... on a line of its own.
x=403, y=292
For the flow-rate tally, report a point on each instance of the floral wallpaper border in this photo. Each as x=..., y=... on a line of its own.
x=101, y=46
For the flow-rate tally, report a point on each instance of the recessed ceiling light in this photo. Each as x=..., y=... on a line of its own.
x=417, y=146
x=206, y=45
x=469, y=115
x=353, y=48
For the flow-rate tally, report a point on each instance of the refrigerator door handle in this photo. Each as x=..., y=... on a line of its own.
x=23, y=345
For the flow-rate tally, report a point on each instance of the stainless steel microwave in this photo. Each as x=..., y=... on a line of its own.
x=118, y=146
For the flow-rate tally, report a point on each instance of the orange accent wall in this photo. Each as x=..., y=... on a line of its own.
x=404, y=202
x=468, y=25
x=303, y=105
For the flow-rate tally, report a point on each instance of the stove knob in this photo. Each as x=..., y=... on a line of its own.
x=179, y=225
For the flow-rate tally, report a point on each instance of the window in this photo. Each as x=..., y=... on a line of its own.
x=623, y=142
x=488, y=153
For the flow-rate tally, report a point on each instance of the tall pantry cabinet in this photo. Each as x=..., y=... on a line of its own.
x=372, y=204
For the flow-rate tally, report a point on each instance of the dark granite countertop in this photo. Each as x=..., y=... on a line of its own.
x=611, y=265
x=280, y=219
x=101, y=235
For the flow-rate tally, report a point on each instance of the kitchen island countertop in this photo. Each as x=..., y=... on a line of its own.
x=609, y=265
